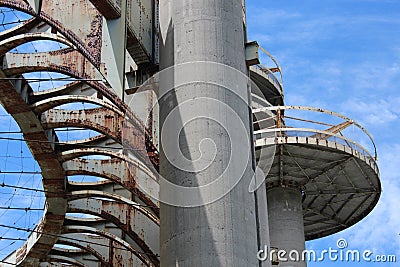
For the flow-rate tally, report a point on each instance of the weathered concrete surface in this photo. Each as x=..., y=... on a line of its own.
x=285, y=215
x=222, y=233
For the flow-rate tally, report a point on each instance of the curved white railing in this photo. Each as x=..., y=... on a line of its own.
x=282, y=129
x=270, y=71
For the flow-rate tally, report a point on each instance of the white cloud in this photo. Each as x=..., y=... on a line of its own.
x=375, y=112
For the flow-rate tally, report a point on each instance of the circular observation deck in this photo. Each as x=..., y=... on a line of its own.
x=314, y=150
x=267, y=81
x=268, y=84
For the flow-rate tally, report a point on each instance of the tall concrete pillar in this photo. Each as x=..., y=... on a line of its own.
x=286, y=225
x=210, y=103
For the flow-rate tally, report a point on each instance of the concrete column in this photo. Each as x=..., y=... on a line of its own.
x=209, y=116
x=286, y=225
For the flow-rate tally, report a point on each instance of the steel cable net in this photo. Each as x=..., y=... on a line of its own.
x=21, y=191
x=21, y=196
x=22, y=199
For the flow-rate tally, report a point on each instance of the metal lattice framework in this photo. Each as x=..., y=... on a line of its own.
x=124, y=229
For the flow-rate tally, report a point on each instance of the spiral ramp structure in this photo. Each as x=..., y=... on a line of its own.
x=332, y=180
x=320, y=166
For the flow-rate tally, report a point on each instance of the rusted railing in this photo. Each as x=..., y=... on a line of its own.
x=330, y=129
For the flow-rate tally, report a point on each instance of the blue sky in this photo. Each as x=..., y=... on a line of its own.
x=344, y=55
x=341, y=55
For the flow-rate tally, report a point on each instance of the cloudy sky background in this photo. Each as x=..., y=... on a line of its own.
x=344, y=55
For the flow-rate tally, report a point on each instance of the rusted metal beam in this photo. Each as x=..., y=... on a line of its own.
x=87, y=58
x=128, y=218
x=84, y=33
x=71, y=62
x=52, y=259
x=108, y=248
x=41, y=106
x=16, y=40
x=110, y=9
x=107, y=122
x=67, y=61
x=22, y=28
x=52, y=173
x=119, y=171
x=112, y=196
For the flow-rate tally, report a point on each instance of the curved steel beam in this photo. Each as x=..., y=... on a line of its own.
x=118, y=171
x=76, y=38
x=100, y=194
x=66, y=61
x=72, y=63
x=46, y=104
x=39, y=142
x=101, y=120
x=108, y=248
x=17, y=40
x=81, y=152
x=104, y=121
x=128, y=218
x=21, y=28
x=62, y=259
x=72, y=88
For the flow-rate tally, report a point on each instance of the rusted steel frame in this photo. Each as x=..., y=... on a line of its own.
x=71, y=88
x=127, y=178
x=108, y=186
x=25, y=67
x=114, y=212
x=22, y=28
x=42, y=106
x=52, y=173
x=108, y=8
x=63, y=259
x=69, y=34
x=75, y=153
x=65, y=61
x=103, y=121
x=16, y=40
x=102, y=238
x=98, y=141
x=100, y=194
x=75, y=41
x=81, y=152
